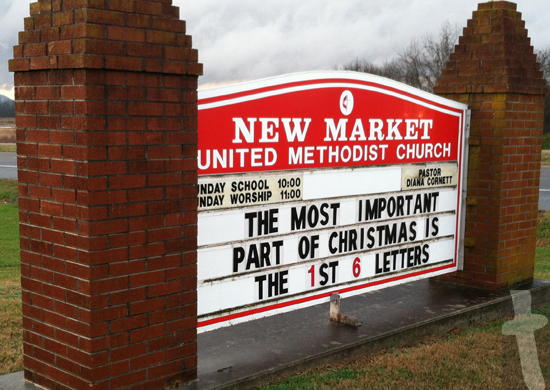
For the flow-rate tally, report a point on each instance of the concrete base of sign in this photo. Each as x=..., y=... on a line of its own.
x=253, y=353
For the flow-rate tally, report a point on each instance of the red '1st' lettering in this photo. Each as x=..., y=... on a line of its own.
x=312, y=273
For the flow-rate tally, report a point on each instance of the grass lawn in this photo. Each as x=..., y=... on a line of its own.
x=476, y=358
x=11, y=337
x=9, y=236
x=8, y=192
x=471, y=359
x=468, y=359
x=8, y=148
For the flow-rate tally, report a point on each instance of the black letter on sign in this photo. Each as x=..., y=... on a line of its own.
x=238, y=257
x=333, y=265
x=284, y=280
x=435, y=226
x=323, y=273
x=260, y=280
x=298, y=222
x=250, y=217
x=303, y=248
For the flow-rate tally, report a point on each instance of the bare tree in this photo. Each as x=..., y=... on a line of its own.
x=424, y=59
x=419, y=64
x=391, y=69
x=543, y=57
x=412, y=61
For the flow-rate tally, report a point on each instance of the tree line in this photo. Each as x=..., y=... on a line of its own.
x=7, y=107
x=420, y=63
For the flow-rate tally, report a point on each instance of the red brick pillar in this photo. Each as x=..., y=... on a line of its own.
x=107, y=143
x=495, y=72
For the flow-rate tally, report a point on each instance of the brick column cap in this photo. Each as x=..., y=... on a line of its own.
x=494, y=55
x=129, y=35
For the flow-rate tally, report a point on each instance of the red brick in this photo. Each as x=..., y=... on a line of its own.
x=61, y=107
x=168, y=25
x=62, y=18
x=161, y=37
x=125, y=34
x=19, y=65
x=174, y=339
x=144, y=50
x=32, y=50
x=122, y=5
x=123, y=63
x=97, y=16
x=123, y=93
x=128, y=352
x=96, y=46
x=82, y=31
x=128, y=379
x=170, y=11
x=166, y=124
x=164, y=95
x=38, y=135
x=137, y=20
x=181, y=53
x=147, y=361
x=146, y=109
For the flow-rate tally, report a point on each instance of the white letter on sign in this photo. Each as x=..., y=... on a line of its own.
x=240, y=127
x=427, y=124
x=358, y=131
x=412, y=124
x=393, y=129
x=376, y=126
x=267, y=129
x=333, y=130
x=297, y=132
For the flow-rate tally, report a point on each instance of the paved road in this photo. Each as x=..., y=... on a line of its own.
x=544, y=196
x=8, y=166
x=8, y=170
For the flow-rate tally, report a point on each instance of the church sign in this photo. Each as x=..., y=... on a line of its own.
x=323, y=182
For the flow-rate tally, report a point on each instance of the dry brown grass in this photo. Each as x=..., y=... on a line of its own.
x=8, y=122
x=468, y=361
x=475, y=359
x=512, y=371
x=7, y=135
x=11, y=321
x=546, y=159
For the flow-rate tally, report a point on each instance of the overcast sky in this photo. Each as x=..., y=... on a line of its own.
x=249, y=39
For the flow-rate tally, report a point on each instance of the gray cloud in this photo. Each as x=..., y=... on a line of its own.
x=248, y=39
x=12, y=13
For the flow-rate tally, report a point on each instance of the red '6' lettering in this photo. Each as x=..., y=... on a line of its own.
x=357, y=267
